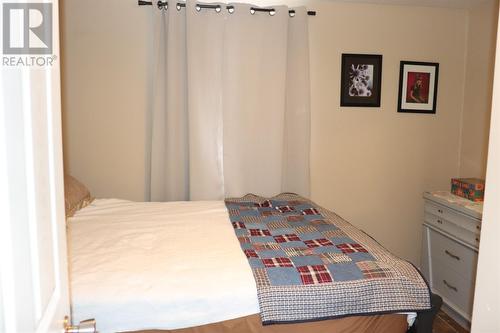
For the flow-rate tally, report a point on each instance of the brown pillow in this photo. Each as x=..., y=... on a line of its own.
x=76, y=195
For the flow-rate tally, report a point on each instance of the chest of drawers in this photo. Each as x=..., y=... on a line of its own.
x=451, y=235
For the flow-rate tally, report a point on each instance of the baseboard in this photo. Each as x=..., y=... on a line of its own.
x=456, y=316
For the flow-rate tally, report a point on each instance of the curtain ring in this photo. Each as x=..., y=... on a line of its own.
x=291, y=13
x=217, y=9
x=272, y=12
x=178, y=6
x=198, y=8
x=230, y=9
x=252, y=11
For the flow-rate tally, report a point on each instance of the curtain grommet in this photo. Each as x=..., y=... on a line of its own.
x=162, y=5
x=252, y=11
x=230, y=9
x=272, y=12
x=218, y=9
x=198, y=8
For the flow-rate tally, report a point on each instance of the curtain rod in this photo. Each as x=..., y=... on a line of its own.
x=271, y=11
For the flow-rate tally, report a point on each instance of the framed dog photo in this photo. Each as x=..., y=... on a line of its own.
x=361, y=78
x=418, y=82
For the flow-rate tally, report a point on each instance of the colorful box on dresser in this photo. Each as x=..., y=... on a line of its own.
x=468, y=188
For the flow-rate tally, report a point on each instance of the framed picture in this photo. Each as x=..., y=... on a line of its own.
x=418, y=82
x=360, y=80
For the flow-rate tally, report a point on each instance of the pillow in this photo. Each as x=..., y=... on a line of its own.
x=76, y=195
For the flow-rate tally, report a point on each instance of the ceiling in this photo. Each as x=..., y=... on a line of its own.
x=426, y=3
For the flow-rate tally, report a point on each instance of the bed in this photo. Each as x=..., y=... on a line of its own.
x=179, y=267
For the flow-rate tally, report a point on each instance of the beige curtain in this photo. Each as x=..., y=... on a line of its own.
x=169, y=151
x=230, y=110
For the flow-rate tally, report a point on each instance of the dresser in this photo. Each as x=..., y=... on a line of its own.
x=450, y=242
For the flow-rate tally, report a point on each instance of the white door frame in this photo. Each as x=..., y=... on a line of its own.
x=33, y=256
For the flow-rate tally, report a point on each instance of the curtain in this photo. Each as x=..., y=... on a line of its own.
x=230, y=110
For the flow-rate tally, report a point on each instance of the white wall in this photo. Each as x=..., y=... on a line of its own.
x=370, y=165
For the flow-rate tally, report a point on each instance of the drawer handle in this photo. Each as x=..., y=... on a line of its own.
x=454, y=256
x=450, y=286
x=439, y=221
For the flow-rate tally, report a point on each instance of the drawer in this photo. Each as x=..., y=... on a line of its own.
x=462, y=220
x=455, y=256
x=457, y=292
x=466, y=235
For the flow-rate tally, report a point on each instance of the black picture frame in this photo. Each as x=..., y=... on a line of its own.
x=424, y=98
x=366, y=90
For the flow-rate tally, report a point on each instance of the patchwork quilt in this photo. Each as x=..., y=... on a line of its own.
x=310, y=264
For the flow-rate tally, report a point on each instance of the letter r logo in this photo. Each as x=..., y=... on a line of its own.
x=27, y=28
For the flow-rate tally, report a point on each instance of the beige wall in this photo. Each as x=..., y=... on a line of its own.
x=481, y=43
x=487, y=293
x=370, y=165
x=105, y=84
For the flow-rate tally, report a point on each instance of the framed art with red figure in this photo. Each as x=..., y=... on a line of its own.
x=418, y=87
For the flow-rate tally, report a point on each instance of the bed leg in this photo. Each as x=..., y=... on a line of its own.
x=425, y=319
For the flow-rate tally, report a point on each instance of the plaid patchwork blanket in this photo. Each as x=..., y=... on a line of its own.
x=310, y=264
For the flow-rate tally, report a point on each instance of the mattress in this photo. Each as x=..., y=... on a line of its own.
x=148, y=265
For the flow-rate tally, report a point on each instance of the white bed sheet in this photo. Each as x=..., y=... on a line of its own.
x=136, y=265
x=149, y=265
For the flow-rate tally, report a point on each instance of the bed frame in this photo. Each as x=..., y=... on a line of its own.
x=425, y=319
x=423, y=322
